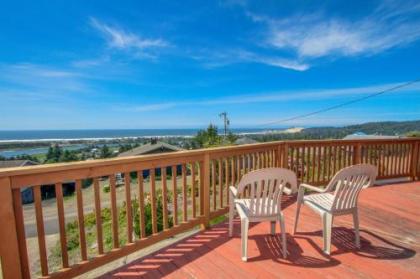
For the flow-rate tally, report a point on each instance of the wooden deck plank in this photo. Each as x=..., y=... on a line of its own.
x=390, y=240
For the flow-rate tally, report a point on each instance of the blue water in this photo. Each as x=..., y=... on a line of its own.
x=35, y=135
x=101, y=134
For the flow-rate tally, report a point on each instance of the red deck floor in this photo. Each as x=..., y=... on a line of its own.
x=390, y=239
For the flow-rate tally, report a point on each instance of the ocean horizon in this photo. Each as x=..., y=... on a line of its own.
x=103, y=134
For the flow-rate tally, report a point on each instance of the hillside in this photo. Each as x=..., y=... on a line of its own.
x=380, y=128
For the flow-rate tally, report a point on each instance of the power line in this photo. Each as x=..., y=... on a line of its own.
x=343, y=104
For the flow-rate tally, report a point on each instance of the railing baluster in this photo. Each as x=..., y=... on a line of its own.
x=400, y=169
x=318, y=164
x=141, y=204
x=202, y=193
x=394, y=159
x=129, y=215
x=238, y=168
x=114, y=211
x=184, y=194
x=220, y=165
x=20, y=232
x=98, y=216
x=213, y=183
x=40, y=230
x=232, y=170
x=153, y=200
x=206, y=191
x=340, y=161
x=314, y=166
x=193, y=189
x=61, y=224
x=227, y=179
x=175, y=195
x=81, y=220
x=386, y=160
x=164, y=198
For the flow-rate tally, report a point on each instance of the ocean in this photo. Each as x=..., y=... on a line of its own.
x=91, y=135
x=46, y=135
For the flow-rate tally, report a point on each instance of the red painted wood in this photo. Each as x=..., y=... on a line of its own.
x=389, y=226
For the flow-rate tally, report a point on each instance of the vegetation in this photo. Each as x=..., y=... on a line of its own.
x=208, y=138
x=413, y=134
x=373, y=128
x=72, y=229
x=56, y=154
x=33, y=158
x=105, y=152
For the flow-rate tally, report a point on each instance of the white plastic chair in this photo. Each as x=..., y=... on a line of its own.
x=347, y=183
x=265, y=188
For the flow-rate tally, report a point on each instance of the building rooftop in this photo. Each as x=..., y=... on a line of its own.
x=16, y=163
x=245, y=140
x=149, y=148
x=361, y=135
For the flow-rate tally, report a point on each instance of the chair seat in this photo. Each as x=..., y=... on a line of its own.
x=321, y=202
x=263, y=208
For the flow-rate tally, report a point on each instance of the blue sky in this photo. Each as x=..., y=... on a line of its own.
x=178, y=64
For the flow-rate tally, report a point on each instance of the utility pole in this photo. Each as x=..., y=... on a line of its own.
x=226, y=121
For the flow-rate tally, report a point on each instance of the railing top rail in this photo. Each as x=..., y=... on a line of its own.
x=193, y=154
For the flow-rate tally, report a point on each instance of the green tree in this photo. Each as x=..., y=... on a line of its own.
x=208, y=137
x=54, y=154
x=413, y=134
x=105, y=152
x=231, y=138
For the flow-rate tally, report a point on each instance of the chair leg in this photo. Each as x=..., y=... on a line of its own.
x=327, y=220
x=299, y=204
x=231, y=216
x=283, y=236
x=244, y=238
x=273, y=227
x=356, y=227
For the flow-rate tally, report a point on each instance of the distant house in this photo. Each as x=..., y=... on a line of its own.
x=361, y=135
x=26, y=193
x=154, y=147
x=150, y=148
x=245, y=140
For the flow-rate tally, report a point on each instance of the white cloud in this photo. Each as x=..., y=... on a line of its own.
x=40, y=78
x=214, y=59
x=313, y=36
x=118, y=38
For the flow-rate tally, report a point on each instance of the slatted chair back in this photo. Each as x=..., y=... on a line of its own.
x=348, y=183
x=265, y=188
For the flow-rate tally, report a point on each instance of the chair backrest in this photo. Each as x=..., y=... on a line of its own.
x=348, y=183
x=266, y=187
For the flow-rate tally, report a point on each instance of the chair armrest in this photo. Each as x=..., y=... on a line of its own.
x=287, y=191
x=312, y=188
x=233, y=191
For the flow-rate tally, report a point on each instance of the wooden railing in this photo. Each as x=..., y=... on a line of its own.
x=180, y=190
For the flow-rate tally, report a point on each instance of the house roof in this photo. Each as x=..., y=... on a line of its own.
x=16, y=163
x=245, y=140
x=361, y=135
x=150, y=148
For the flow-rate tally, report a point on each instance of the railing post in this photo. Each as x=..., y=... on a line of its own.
x=9, y=248
x=206, y=192
x=279, y=162
x=415, y=160
x=357, y=159
x=285, y=156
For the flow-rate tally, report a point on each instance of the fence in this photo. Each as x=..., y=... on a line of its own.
x=162, y=195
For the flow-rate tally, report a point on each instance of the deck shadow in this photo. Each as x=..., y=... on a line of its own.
x=376, y=247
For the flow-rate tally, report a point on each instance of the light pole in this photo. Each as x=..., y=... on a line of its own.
x=226, y=121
